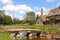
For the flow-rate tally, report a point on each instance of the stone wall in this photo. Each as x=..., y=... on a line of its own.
x=53, y=25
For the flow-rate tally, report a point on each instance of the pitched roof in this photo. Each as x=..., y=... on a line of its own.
x=55, y=11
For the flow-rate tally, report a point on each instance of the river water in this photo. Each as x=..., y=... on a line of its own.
x=23, y=37
x=36, y=38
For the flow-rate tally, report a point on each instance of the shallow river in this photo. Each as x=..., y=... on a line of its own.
x=22, y=37
x=36, y=38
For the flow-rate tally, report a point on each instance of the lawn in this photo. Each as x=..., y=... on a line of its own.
x=43, y=28
x=5, y=36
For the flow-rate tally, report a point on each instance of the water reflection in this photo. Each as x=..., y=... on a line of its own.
x=39, y=38
x=21, y=36
x=36, y=38
x=12, y=36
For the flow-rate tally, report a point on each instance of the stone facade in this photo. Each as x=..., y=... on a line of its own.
x=53, y=13
x=41, y=18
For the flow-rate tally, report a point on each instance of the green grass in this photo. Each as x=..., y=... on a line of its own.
x=53, y=30
x=43, y=28
x=47, y=29
x=5, y=36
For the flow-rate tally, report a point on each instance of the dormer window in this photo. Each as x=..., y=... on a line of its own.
x=52, y=11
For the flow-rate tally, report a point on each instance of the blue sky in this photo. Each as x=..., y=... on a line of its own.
x=20, y=7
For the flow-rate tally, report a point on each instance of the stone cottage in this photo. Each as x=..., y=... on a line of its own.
x=53, y=13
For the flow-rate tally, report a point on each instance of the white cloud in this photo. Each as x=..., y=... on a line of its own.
x=21, y=17
x=24, y=7
x=6, y=1
x=15, y=16
x=10, y=7
x=22, y=12
x=58, y=4
x=17, y=8
x=50, y=0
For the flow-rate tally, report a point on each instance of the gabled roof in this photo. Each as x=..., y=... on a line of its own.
x=55, y=11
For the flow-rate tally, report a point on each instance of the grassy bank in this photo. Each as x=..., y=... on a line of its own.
x=43, y=28
x=5, y=36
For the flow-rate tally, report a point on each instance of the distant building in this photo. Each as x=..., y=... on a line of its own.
x=53, y=13
x=41, y=18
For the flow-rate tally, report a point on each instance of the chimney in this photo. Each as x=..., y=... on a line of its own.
x=59, y=5
x=41, y=11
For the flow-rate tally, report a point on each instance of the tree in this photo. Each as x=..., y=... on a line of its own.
x=16, y=21
x=8, y=20
x=52, y=20
x=2, y=15
x=30, y=17
x=37, y=17
x=5, y=19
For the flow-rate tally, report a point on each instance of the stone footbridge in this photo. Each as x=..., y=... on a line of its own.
x=27, y=32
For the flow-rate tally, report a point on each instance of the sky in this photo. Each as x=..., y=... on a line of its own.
x=18, y=8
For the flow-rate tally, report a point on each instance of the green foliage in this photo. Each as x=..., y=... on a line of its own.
x=2, y=13
x=15, y=20
x=37, y=17
x=53, y=30
x=4, y=36
x=8, y=20
x=52, y=20
x=30, y=18
x=5, y=19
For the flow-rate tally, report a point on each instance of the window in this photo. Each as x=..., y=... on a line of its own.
x=38, y=22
